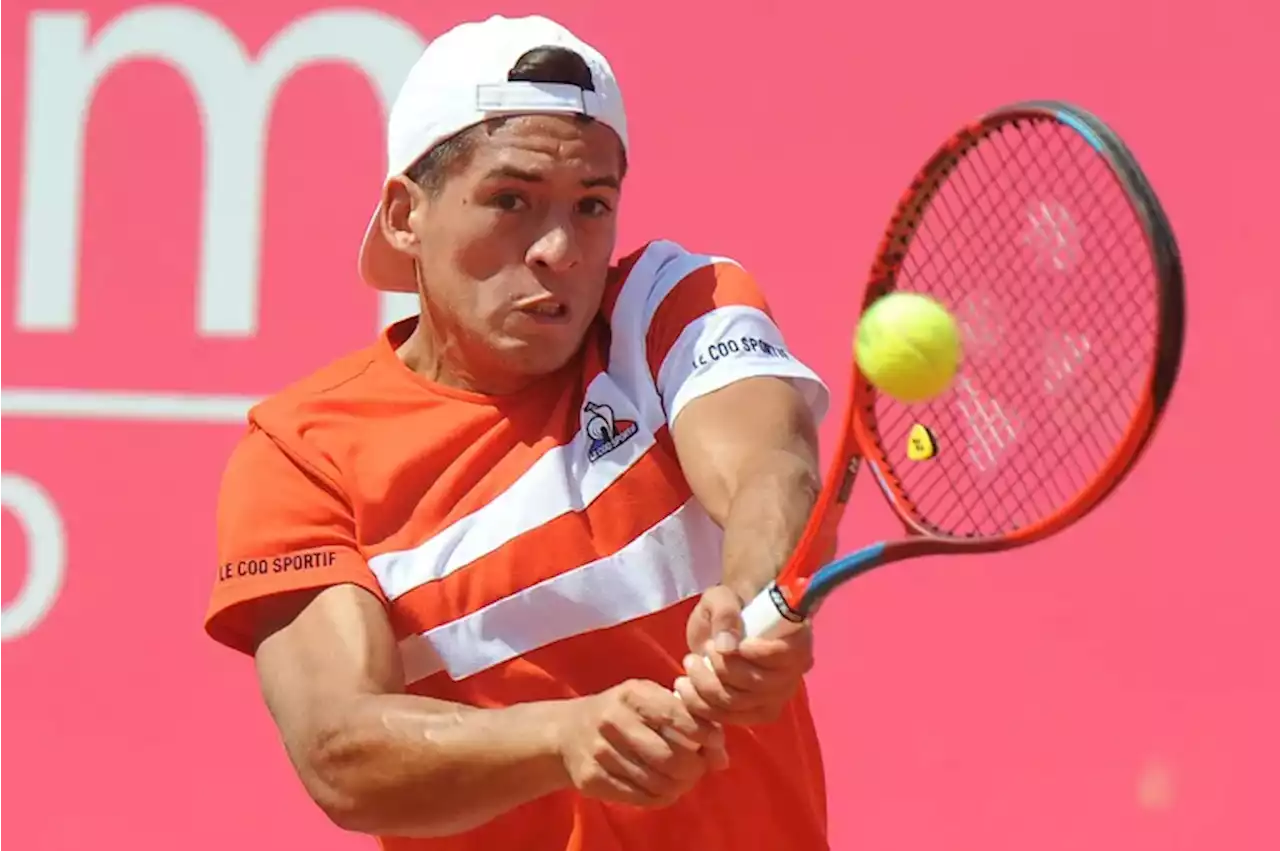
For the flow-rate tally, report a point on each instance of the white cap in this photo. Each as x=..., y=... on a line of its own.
x=460, y=81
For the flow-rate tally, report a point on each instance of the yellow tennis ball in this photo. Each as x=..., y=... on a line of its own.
x=908, y=346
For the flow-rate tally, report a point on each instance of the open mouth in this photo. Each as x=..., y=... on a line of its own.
x=550, y=309
x=545, y=309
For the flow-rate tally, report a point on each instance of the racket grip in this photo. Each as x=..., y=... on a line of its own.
x=762, y=617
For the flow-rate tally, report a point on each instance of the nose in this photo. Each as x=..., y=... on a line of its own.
x=556, y=249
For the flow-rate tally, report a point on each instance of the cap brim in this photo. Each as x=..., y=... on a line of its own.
x=381, y=266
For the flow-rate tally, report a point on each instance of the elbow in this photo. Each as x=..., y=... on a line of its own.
x=332, y=770
x=361, y=788
x=349, y=815
x=345, y=773
x=344, y=811
x=345, y=815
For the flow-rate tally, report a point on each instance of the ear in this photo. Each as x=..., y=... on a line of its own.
x=400, y=197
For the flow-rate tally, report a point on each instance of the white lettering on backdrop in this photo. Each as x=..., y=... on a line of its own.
x=235, y=93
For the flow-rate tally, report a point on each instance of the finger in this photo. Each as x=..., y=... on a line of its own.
x=635, y=754
x=769, y=691
x=662, y=710
x=680, y=741
x=724, y=608
x=624, y=774
x=760, y=693
x=688, y=734
x=697, y=707
x=739, y=674
x=707, y=698
x=655, y=755
x=709, y=687
x=698, y=630
x=716, y=751
x=735, y=717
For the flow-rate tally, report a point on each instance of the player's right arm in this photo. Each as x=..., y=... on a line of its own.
x=294, y=590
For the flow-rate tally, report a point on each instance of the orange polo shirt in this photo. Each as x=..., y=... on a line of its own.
x=532, y=547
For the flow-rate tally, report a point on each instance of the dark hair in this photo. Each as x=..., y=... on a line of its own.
x=540, y=65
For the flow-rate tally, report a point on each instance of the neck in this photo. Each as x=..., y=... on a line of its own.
x=443, y=359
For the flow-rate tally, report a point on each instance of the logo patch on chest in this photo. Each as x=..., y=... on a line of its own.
x=604, y=431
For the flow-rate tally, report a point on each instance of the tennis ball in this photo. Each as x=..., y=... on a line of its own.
x=908, y=346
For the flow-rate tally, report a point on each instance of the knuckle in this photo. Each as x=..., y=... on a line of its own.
x=610, y=720
x=628, y=697
x=599, y=749
x=627, y=690
x=637, y=693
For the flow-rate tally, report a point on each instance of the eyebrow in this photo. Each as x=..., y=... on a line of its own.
x=608, y=181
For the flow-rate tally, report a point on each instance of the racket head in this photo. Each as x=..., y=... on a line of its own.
x=1037, y=228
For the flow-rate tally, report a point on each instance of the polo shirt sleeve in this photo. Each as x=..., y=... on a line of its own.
x=283, y=527
x=709, y=325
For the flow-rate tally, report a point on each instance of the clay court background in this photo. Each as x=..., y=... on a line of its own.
x=1117, y=688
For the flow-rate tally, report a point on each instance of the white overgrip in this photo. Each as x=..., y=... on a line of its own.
x=762, y=618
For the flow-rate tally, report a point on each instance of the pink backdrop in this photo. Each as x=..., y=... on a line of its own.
x=1116, y=688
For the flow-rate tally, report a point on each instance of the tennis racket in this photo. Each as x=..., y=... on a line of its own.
x=1035, y=226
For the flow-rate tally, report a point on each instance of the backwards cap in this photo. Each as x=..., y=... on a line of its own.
x=460, y=81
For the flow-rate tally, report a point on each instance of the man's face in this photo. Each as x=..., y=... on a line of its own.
x=515, y=246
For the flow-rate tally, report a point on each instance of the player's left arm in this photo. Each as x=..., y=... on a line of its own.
x=743, y=414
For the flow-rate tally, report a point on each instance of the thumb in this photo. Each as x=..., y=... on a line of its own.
x=724, y=611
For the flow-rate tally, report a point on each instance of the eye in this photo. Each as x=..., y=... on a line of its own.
x=594, y=207
x=508, y=202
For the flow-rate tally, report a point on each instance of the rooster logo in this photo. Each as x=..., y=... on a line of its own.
x=604, y=431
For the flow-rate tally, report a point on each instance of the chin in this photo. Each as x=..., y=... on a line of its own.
x=536, y=358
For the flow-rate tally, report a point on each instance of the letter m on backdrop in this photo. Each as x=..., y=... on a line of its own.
x=235, y=94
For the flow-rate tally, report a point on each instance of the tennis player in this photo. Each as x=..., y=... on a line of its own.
x=472, y=560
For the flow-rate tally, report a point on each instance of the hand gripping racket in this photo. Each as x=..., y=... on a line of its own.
x=1035, y=226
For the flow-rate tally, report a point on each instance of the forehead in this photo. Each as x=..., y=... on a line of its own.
x=548, y=143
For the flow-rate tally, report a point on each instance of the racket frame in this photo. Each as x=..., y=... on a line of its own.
x=802, y=585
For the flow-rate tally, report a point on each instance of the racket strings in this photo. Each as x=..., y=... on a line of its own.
x=1032, y=242
x=1033, y=502
x=1094, y=171
x=1061, y=457
x=966, y=261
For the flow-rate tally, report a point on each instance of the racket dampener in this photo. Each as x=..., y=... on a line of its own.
x=922, y=444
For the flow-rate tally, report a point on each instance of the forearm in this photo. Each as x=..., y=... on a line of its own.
x=766, y=516
x=410, y=766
